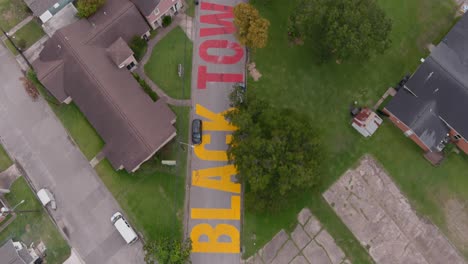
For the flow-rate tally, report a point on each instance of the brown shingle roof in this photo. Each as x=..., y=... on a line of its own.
x=146, y=6
x=119, y=51
x=131, y=124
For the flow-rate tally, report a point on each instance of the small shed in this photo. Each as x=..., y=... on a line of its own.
x=46, y=198
x=366, y=122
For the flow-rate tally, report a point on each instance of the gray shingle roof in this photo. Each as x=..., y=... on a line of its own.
x=119, y=51
x=75, y=63
x=436, y=96
x=38, y=7
x=8, y=254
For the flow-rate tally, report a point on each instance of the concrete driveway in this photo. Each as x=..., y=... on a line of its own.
x=32, y=135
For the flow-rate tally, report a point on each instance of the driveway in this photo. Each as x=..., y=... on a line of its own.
x=32, y=135
x=214, y=216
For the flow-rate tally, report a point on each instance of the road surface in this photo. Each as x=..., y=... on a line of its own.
x=31, y=134
x=214, y=217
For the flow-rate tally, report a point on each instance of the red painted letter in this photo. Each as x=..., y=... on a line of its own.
x=217, y=19
x=221, y=44
x=204, y=77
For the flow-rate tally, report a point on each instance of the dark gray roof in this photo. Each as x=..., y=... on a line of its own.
x=38, y=7
x=74, y=62
x=9, y=255
x=146, y=6
x=435, y=98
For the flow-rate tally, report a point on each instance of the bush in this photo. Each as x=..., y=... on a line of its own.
x=139, y=47
x=146, y=87
x=87, y=8
x=166, y=21
x=30, y=88
x=21, y=44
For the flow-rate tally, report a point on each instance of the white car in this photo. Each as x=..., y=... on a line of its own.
x=124, y=228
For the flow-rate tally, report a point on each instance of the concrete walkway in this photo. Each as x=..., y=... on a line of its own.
x=308, y=243
x=162, y=32
x=32, y=53
x=20, y=25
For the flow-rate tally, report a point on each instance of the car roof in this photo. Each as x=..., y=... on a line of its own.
x=125, y=230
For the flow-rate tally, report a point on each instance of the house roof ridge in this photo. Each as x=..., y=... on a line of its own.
x=107, y=96
x=106, y=26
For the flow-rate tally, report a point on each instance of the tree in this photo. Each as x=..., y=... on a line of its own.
x=252, y=29
x=343, y=28
x=87, y=8
x=166, y=21
x=139, y=47
x=168, y=251
x=274, y=150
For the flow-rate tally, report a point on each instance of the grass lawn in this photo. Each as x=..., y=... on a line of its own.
x=29, y=34
x=153, y=197
x=172, y=50
x=190, y=8
x=11, y=13
x=34, y=227
x=5, y=160
x=324, y=92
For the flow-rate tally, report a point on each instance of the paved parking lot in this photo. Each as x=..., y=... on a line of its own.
x=381, y=218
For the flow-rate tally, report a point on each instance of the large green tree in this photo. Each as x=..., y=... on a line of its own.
x=87, y=8
x=168, y=251
x=343, y=28
x=275, y=151
x=252, y=29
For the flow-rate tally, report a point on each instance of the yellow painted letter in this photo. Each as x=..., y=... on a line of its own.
x=213, y=234
x=217, y=121
x=218, y=178
x=232, y=213
x=205, y=154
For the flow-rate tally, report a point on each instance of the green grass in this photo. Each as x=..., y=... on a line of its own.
x=153, y=197
x=34, y=227
x=5, y=160
x=325, y=92
x=29, y=33
x=11, y=13
x=172, y=50
x=10, y=46
x=190, y=8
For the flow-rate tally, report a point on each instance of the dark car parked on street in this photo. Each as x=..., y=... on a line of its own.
x=197, y=131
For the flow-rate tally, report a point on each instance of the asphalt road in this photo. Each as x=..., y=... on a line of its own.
x=33, y=136
x=214, y=222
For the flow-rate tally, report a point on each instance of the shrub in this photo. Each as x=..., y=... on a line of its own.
x=21, y=44
x=30, y=88
x=146, y=87
x=87, y=8
x=139, y=47
x=166, y=21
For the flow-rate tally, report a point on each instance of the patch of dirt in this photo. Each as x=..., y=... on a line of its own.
x=456, y=216
x=27, y=228
x=256, y=75
x=8, y=15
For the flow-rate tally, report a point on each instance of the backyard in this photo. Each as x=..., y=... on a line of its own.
x=325, y=92
x=35, y=226
x=26, y=36
x=11, y=13
x=162, y=67
x=5, y=160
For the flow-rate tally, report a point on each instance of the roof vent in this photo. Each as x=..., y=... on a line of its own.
x=436, y=90
x=105, y=13
x=59, y=46
x=94, y=25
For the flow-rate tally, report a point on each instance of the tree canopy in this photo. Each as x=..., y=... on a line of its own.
x=343, y=28
x=274, y=150
x=87, y=8
x=168, y=251
x=252, y=29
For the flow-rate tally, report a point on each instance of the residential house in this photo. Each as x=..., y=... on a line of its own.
x=87, y=62
x=432, y=107
x=17, y=253
x=46, y=9
x=155, y=10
